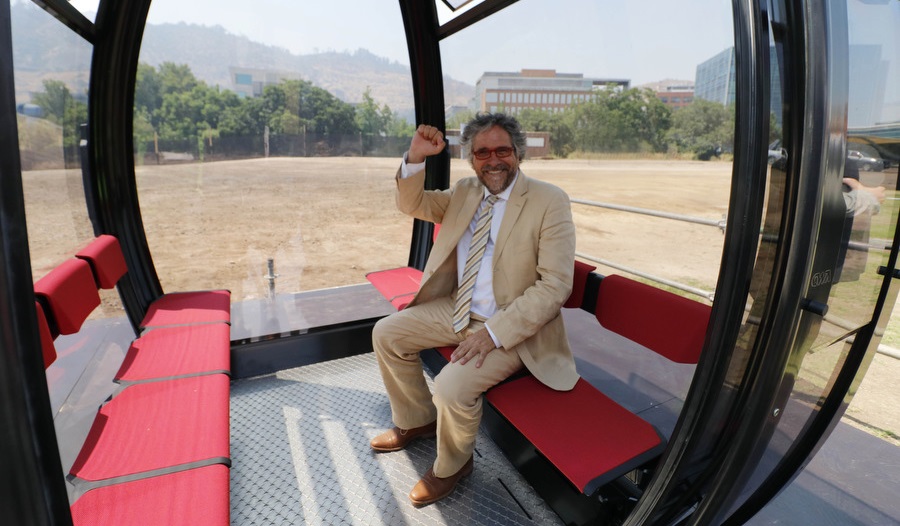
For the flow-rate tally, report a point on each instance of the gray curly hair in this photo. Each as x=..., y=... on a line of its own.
x=485, y=121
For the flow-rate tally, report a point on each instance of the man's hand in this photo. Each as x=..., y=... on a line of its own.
x=427, y=141
x=477, y=346
x=877, y=191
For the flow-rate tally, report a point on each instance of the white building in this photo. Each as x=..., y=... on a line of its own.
x=541, y=89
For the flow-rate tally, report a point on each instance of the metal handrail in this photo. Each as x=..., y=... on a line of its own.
x=708, y=295
x=720, y=223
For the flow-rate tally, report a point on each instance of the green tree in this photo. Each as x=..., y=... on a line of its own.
x=594, y=126
x=247, y=117
x=181, y=115
x=272, y=110
x=460, y=118
x=60, y=107
x=76, y=116
x=186, y=105
x=215, y=104
x=331, y=117
x=399, y=127
x=147, y=102
x=176, y=78
x=556, y=123
x=297, y=105
x=147, y=94
x=703, y=128
x=646, y=117
x=371, y=120
x=377, y=122
x=370, y=116
x=188, y=108
x=54, y=100
x=630, y=120
x=143, y=133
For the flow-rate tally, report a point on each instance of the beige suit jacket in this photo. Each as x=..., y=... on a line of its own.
x=533, y=265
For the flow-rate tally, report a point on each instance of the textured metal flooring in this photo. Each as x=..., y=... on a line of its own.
x=300, y=455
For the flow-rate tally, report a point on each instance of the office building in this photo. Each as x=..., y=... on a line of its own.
x=715, y=81
x=673, y=93
x=540, y=89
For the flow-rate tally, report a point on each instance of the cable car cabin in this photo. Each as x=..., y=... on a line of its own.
x=198, y=232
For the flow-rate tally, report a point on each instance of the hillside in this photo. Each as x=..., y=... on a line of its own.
x=42, y=51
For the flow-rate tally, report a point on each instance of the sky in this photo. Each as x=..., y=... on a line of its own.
x=640, y=40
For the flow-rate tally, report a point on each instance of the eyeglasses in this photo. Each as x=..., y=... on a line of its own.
x=501, y=152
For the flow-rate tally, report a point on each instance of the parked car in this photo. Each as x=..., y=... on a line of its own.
x=865, y=163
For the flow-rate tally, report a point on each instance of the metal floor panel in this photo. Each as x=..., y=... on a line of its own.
x=300, y=455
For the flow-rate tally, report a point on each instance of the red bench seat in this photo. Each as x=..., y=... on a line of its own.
x=69, y=293
x=48, y=349
x=196, y=496
x=158, y=425
x=178, y=351
x=176, y=308
x=158, y=451
x=397, y=285
x=588, y=437
x=108, y=264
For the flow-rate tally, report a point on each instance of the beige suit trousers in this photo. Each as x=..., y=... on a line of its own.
x=457, y=400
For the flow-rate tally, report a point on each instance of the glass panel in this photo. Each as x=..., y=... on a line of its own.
x=871, y=195
x=266, y=157
x=869, y=191
x=52, y=69
x=597, y=86
x=863, y=226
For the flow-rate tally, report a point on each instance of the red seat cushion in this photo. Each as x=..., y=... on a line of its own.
x=400, y=302
x=182, y=308
x=175, y=351
x=446, y=352
x=582, y=270
x=196, y=496
x=588, y=437
x=157, y=425
x=671, y=325
x=71, y=294
x=397, y=285
x=47, y=349
x=107, y=261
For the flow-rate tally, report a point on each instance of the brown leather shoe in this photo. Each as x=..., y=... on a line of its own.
x=396, y=439
x=432, y=489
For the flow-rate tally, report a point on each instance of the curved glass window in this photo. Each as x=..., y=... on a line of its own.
x=860, y=214
x=266, y=139
x=52, y=70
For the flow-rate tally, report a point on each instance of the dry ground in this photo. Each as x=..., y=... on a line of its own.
x=326, y=222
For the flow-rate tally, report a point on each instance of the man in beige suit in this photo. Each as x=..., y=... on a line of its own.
x=508, y=319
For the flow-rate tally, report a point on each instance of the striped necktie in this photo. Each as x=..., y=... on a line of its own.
x=473, y=263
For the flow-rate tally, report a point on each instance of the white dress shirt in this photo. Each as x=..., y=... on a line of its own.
x=483, y=301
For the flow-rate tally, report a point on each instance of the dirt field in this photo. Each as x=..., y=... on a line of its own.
x=215, y=225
